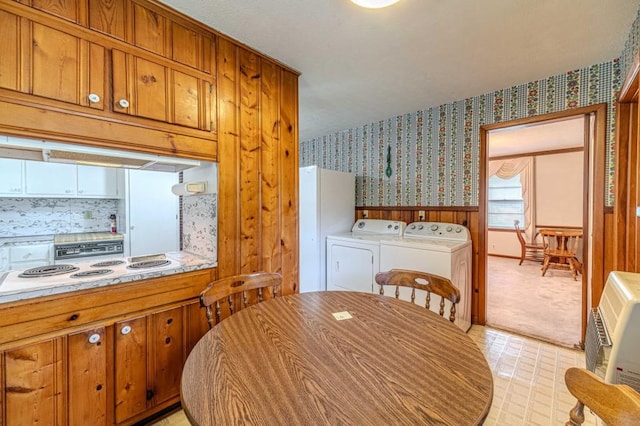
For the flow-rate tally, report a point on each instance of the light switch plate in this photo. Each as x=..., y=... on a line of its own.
x=342, y=315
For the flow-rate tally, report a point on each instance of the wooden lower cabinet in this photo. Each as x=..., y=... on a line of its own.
x=117, y=373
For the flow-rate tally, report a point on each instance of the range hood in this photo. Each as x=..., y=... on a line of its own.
x=53, y=152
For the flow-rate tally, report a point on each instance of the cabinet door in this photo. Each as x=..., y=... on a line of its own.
x=97, y=182
x=11, y=176
x=33, y=384
x=67, y=68
x=167, y=354
x=46, y=62
x=87, y=366
x=130, y=368
x=151, y=90
x=50, y=178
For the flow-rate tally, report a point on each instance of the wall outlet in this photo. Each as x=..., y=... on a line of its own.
x=365, y=214
x=88, y=214
x=421, y=215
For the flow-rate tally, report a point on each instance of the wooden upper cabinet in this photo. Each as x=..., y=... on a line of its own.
x=66, y=68
x=150, y=89
x=47, y=62
x=150, y=30
x=67, y=9
x=108, y=16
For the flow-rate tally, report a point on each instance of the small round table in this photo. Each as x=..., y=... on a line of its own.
x=290, y=361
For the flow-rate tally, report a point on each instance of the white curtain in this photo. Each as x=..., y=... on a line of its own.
x=524, y=166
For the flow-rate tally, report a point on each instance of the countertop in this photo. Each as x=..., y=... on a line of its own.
x=14, y=289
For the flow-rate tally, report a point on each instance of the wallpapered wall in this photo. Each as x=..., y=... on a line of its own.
x=434, y=153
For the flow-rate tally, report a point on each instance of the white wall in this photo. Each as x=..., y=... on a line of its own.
x=559, y=196
x=559, y=189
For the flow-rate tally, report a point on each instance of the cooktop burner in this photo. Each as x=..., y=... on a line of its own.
x=107, y=263
x=92, y=273
x=149, y=264
x=47, y=271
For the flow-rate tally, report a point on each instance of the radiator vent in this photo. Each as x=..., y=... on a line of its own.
x=597, y=341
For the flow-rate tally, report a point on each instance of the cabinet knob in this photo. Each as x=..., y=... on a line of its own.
x=93, y=98
x=123, y=103
x=94, y=338
x=125, y=330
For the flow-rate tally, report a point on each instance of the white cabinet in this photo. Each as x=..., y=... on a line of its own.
x=97, y=182
x=50, y=179
x=44, y=179
x=28, y=255
x=11, y=176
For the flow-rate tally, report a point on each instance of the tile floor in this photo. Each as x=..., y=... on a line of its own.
x=528, y=386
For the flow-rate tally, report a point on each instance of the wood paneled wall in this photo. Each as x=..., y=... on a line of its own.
x=627, y=180
x=258, y=166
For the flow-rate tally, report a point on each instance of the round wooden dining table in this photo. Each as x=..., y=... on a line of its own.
x=336, y=358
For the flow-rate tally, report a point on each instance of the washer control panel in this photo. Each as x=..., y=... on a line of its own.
x=444, y=230
x=379, y=226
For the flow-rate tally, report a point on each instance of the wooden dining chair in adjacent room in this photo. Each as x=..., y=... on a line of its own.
x=561, y=249
x=613, y=404
x=529, y=251
x=226, y=288
x=416, y=280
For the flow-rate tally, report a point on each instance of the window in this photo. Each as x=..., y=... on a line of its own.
x=505, y=202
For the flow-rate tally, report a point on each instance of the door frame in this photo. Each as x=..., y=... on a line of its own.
x=597, y=194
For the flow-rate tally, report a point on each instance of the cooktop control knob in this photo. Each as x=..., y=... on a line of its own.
x=458, y=230
x=434, y=227
x=395, y=227
x=449, y=229
x=420, y=227
x=412, y=227
x=360, y=225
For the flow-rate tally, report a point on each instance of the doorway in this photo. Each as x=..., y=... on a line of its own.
x=535, y=178
x=594, y=131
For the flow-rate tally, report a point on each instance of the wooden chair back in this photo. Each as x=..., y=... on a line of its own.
x=561, y=248
x=613, y=404
x=227, y=288
x=528, y=251
x=430, y=283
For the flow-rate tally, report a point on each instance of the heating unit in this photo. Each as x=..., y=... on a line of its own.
x=612, y=342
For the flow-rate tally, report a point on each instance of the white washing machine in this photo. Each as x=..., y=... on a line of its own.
x=353, y=259
x=439, y=248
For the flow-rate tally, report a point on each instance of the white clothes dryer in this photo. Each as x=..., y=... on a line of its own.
x=353, y=259
x=439, y=248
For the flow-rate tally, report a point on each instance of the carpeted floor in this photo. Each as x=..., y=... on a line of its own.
x=520, y=300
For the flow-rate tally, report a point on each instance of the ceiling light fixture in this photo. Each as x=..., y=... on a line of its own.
x=375, y=4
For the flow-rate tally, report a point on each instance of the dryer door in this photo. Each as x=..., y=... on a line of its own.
x=351, y=268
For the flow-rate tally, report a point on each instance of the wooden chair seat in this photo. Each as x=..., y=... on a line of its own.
x=430, y=283
x=227, y=288
x=616, y=405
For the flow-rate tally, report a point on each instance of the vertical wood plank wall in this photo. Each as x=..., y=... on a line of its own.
x=469, y=215
x=258, y=166
x=627, y=223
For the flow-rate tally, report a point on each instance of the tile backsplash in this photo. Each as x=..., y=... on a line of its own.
x=199, y=219
x=47, y=216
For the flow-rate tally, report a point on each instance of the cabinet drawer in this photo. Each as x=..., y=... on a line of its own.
x=31, y=252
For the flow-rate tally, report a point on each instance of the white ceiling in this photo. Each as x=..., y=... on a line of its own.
x=362, y=65
x=548, y=136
